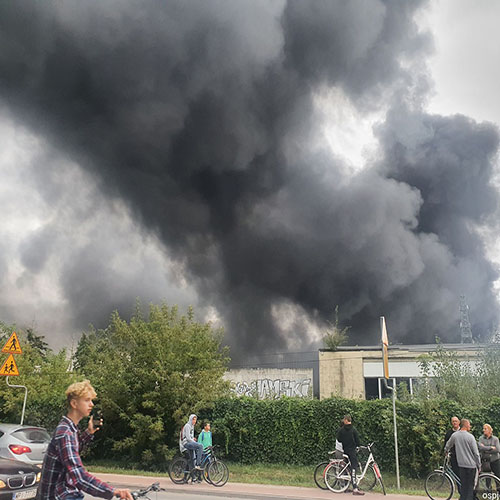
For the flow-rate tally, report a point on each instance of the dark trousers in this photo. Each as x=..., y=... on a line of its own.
x=468, y=479
x=354, y=465
x=454, y=467
x=495, y=468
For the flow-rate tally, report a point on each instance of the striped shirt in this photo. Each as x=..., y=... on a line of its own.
x=63, y=474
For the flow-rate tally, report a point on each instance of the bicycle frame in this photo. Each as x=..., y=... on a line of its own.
x=446, y=469
x=370, y=461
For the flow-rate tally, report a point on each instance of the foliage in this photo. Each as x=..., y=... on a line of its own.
x=302, y=431
x=37, y=342
x=150, y=374
x=46, y=375
x=468, y=381
x=335, y=336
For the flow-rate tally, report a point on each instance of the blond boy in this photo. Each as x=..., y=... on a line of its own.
x=63, y=475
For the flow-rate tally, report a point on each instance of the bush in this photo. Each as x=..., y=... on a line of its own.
x=301, y=431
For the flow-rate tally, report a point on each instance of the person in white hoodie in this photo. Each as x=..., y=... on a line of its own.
x=188, y=441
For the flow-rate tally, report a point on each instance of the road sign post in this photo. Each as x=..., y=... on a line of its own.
x=385, y=359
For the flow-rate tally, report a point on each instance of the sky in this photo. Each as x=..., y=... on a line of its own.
x=262, y=161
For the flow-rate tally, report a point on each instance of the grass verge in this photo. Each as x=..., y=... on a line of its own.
x=275, y=474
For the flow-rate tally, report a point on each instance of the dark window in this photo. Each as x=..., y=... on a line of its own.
x=371, y=388
x=32, y=435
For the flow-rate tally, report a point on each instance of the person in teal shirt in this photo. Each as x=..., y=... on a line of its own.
x=205, y=437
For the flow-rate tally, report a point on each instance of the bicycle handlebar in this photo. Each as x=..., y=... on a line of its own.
x=144, y=491
x=367, y=447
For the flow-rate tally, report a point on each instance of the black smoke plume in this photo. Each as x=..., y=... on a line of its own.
x=199, y=114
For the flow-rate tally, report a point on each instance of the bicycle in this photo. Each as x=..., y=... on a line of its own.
x=487, y=484
x=213, y=471
x=337, y=473
x=143, y=493
x=441, y=483
x=319, y=471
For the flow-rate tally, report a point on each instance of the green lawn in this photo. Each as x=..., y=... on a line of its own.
x=276, y=474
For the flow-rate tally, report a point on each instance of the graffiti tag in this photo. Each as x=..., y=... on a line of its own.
x=271, y=389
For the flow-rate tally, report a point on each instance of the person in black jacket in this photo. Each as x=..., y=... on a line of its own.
x=455, y=426
x=348, y=436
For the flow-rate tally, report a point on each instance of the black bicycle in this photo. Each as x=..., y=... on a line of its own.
x=143, y=493
x=212, y=470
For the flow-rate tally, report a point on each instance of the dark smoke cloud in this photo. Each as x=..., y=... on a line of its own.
x=200, y=115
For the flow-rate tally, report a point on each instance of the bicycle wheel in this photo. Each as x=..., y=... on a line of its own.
x=205, y=473
x=439, y=485
x=218, y=473
x=319, y=475
x=337, y=476
x=369, y=480
x=177, y=470
x=487, y=483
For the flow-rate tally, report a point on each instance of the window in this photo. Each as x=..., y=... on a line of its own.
x=32, y=435
x=375, y=388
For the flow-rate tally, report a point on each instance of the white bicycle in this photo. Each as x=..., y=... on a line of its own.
x=337, y=473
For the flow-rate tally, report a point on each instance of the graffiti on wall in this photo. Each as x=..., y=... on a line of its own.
x=270, y=389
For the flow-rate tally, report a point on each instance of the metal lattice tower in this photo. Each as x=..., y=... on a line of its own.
x=465, y=328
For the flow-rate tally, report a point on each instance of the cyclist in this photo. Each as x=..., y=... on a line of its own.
x=348, y=436
x=205, y=436
x=188, y=441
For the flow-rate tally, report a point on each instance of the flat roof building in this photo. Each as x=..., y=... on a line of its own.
x=356, y=372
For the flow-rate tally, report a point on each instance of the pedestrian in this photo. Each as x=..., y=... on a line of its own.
x=455, y=426
x=205, y=437
x=348, y=436
x=63, y=475
x=189, y=441
x=468, y=458
x=489, y=449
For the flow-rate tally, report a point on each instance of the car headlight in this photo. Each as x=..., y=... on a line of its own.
x=38, y=477
x=2, y=484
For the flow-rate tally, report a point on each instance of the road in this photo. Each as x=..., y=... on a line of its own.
x=235, y=490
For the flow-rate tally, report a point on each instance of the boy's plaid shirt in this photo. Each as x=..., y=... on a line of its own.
x=63, y=474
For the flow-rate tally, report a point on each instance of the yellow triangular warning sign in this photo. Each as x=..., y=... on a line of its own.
x=12, y=345
x=9, y=367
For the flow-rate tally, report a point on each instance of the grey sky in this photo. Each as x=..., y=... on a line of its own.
x=263, y=161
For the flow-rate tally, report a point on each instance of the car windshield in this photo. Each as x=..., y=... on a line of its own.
x=32, y=435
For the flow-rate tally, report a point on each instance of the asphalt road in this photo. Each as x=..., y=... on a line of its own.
x=169, y=495
x=235, y=491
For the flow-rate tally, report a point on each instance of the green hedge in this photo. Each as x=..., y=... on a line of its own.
x=303, y=431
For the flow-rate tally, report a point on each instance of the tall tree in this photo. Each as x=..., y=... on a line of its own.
x=150, y=375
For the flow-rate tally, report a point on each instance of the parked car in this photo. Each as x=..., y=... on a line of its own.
x=18, y=480
x=25, y=443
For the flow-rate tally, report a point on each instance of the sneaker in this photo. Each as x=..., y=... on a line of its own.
x=358, y=492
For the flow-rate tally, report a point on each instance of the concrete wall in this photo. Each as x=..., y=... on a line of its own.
x=270, y=383
x=343, y=372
